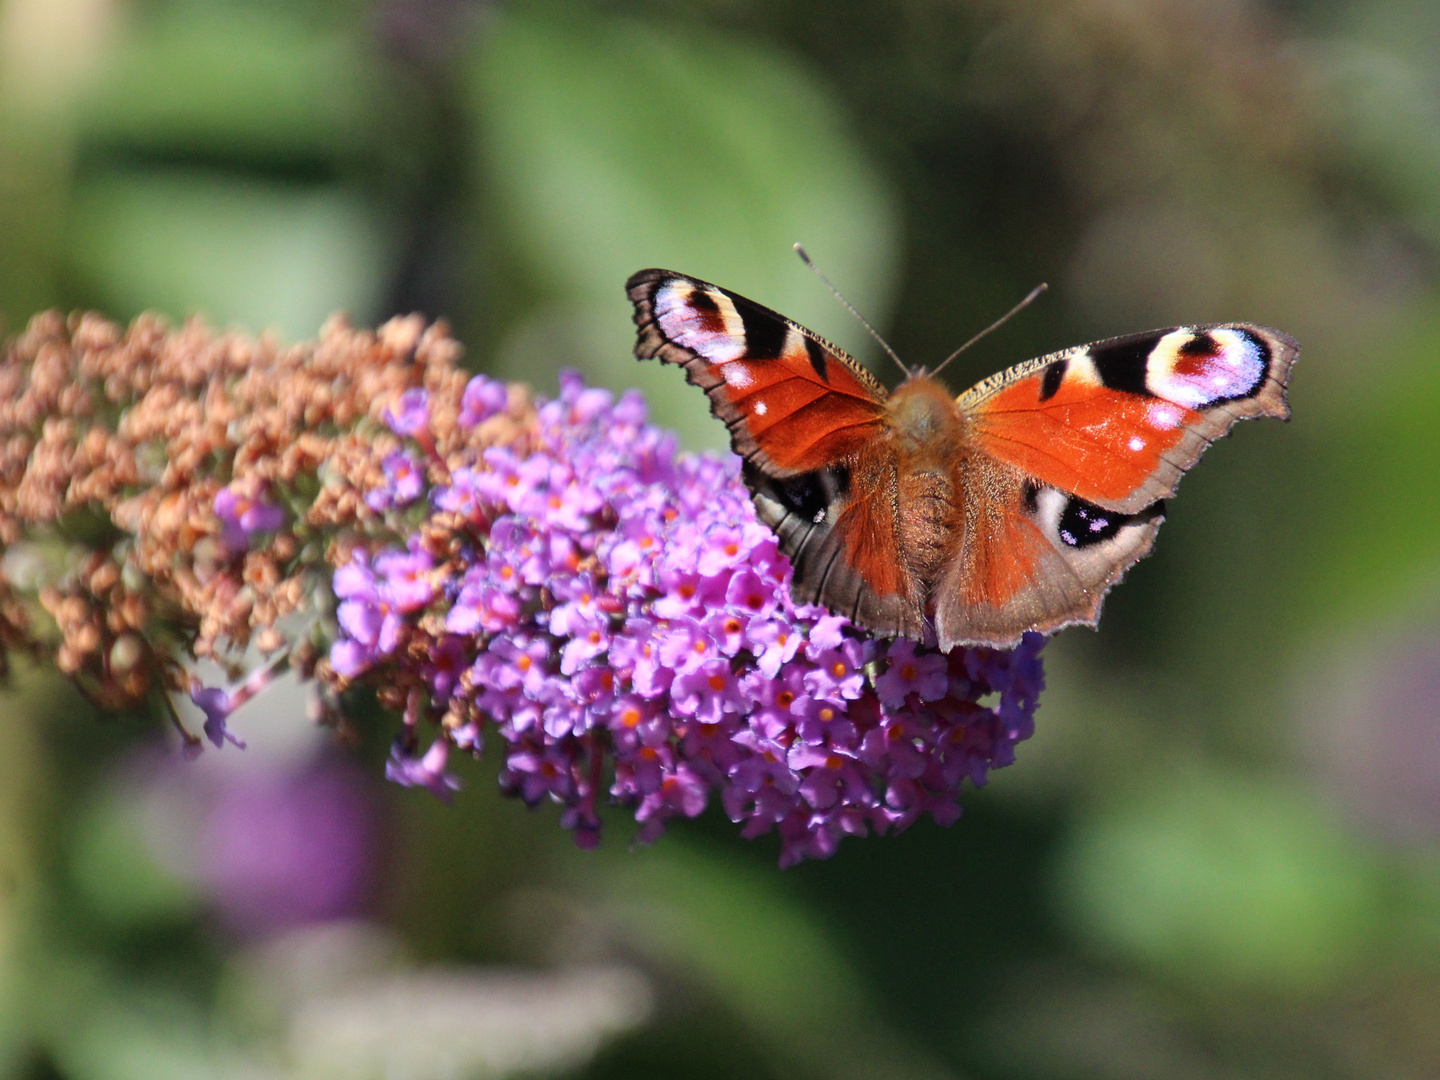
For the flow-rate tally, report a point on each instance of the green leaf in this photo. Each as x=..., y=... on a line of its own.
x=611, y=147
x=233, y=83
x=1224, y=880
x=145, y=1035
x=714, y=921
x=241, y=251
x=1376, y=505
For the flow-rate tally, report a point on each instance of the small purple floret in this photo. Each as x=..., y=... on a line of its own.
x=484, y=397
x=427, y=771
x=217, y=707
x=404, y=482
x=244, y=515
x=410, y=415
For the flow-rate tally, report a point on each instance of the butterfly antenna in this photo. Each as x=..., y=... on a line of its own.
x=805, y=258
x=1030, y=298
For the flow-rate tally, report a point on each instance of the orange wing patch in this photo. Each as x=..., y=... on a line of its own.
x=869, y=532
x=1000, y=556
x=1097, y=443
x=1032, y=558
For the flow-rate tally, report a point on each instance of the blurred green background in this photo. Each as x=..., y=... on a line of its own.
x=1220, y=855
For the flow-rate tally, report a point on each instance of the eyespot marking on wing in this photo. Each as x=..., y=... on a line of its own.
x=1201, y=368
x=1078, y=523
x=701, y=320
x=811, y=496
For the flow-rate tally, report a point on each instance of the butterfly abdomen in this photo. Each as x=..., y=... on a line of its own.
x=927, y=437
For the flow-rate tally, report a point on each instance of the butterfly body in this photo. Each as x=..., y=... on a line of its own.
x=1013, y=507
x=926, y=459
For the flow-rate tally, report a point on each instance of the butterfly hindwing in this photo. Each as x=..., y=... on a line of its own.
x=793, y=402
x=840, y=529
x=1119, y=422
x=1032, y=557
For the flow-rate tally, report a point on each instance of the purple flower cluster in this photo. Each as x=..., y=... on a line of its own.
x=622, y=623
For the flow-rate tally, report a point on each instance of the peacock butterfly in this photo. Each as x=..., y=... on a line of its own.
x=1013, y=507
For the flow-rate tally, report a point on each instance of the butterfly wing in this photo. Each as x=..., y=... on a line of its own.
x=1032, y=557
x=1117, y=423
x=792, y=401
x=805, y=417
x=1074, y=454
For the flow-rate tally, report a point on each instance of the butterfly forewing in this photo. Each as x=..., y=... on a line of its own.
x=792, y=401
x=1120, y=421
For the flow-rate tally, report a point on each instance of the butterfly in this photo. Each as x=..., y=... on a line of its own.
x=1014, y=507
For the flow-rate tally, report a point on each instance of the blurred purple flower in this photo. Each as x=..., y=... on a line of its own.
x=370, y=627
x=410, y=415
x=217, y=707
x=625, y=624
x=925, y=675
x=405, y=579
x=427, y=771
x=404, y=481
x=483, y=398
x=277, y=848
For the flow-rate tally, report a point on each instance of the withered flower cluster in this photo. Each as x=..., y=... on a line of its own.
x=174, y=494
